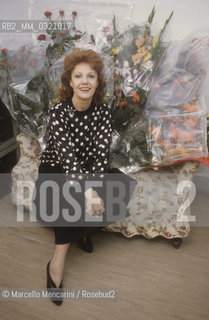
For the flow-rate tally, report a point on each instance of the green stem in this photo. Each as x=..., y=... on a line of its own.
x=114, y=26
x=151, y=16
x=160, y=35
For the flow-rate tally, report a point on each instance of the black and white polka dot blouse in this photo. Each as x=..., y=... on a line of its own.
x=79, y=140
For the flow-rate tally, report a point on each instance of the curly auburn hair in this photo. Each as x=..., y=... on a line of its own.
x=79, y=56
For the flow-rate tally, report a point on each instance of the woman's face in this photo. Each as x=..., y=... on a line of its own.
x=84, y=82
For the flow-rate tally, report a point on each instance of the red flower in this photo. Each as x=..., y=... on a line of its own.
x=23, y=55
x=78, y=32
x=105, y=29
x=4, y=63
x=48, y=14
x=41, y=37
x=136, y=98
x=33, y=63
x=121, y=103
x=59, y=34
x=4, y=50
x=74, y=13
x=61, y=12
x=15, y=64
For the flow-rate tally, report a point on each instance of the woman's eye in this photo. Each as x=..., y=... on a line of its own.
x=90, y=76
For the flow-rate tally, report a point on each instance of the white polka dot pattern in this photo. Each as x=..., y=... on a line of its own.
x=79, y=141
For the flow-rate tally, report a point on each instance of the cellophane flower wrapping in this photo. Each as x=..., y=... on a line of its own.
x=24, y=87
x=30, y=76
x=136, y=52
x=25, y=84
x=175, y=108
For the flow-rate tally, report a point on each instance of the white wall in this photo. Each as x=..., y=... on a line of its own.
x=188, y=14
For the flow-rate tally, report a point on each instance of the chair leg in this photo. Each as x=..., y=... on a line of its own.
x=176, y=242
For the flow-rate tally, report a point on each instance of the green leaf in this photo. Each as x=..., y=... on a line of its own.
x=35, y=106
x=35, y=83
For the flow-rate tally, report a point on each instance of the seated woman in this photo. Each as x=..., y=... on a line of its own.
x=79, y=137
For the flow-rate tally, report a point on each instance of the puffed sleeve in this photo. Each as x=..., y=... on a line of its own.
x=61, y=141
x=102, y=143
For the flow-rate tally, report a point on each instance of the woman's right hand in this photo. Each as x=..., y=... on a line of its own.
x=94, y=204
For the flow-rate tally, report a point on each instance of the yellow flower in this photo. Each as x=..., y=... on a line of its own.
x=147, y=57
x=115, y=51
x=154, y=41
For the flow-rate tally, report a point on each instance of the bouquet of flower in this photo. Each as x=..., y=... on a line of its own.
x=61, y=39
x=175, y=107
x=24, y=88
x=136, y=54
x=24, y=84
x=172, y=126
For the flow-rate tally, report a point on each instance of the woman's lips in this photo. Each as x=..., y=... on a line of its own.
x=85, y=89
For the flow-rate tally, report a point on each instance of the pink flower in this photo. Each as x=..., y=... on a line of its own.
x=48, y=14
x=74, y=13
x=61, y=12
x=109, y=37
x=78, y=32
x=195, y=39
x=4, y=50
x=23, y=55
x=41, y=37
x=91, y=42
x=15, y=64
x=105, y=29
x=33, y=63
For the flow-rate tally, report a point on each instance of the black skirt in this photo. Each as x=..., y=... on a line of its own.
x=65, y=231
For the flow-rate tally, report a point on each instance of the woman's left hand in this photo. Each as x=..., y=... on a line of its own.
x=94, y=204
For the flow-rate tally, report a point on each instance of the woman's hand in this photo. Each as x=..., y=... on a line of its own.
x=94, y=204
